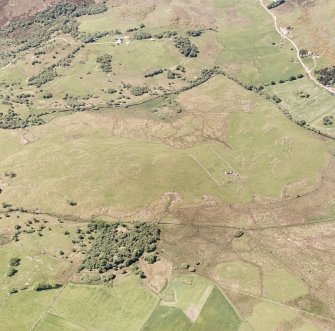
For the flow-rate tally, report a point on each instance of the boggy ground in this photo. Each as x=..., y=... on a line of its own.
x=284, y=243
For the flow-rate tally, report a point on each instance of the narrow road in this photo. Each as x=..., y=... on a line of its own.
x=308, y=71
x=63, y=39
x=72, y=43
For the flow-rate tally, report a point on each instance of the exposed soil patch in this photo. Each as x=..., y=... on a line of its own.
x=158, y=275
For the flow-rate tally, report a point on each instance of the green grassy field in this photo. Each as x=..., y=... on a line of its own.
x=167, y=318
x=114, y=305
x=29, y=304
x=204, y=305
x=87, y=164
x=311, y=109
x=53, y=322
x=39, y=256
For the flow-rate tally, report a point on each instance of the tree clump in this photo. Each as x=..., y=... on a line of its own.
x=185, y=46
x=326, y=76
x=105, y=62
x=142, y=35
x=14, y=262
x=116, y=245
x=138, y=90
x=151, y=258
x=11, y=272
x=328, y=120
x=303, y=53
x=43, y=77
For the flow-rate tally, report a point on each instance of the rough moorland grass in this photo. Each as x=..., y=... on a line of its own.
x=123, y=306
x=282, y=286
x=245, y=275
x=252, y=119
x=131, y=15
x=115, y=171
x=305, y=35
x=3, y=295
x=112, y=19
x=267, y=316
x=307, y=327
x=14, y=73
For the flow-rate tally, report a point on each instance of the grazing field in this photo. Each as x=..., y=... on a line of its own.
x=305, y=101
x=112, y=304
x=29, y=305
x=203, y=305
x=81, y=158
x=53, y=322
x=167, y=318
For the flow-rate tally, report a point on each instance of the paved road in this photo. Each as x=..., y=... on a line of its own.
x=308, y=71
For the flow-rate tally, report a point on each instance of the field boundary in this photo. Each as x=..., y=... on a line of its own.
x=54, y=299
x=205, y=170
x=210, y=175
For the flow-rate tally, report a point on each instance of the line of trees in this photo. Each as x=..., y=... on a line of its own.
x=275, y=4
